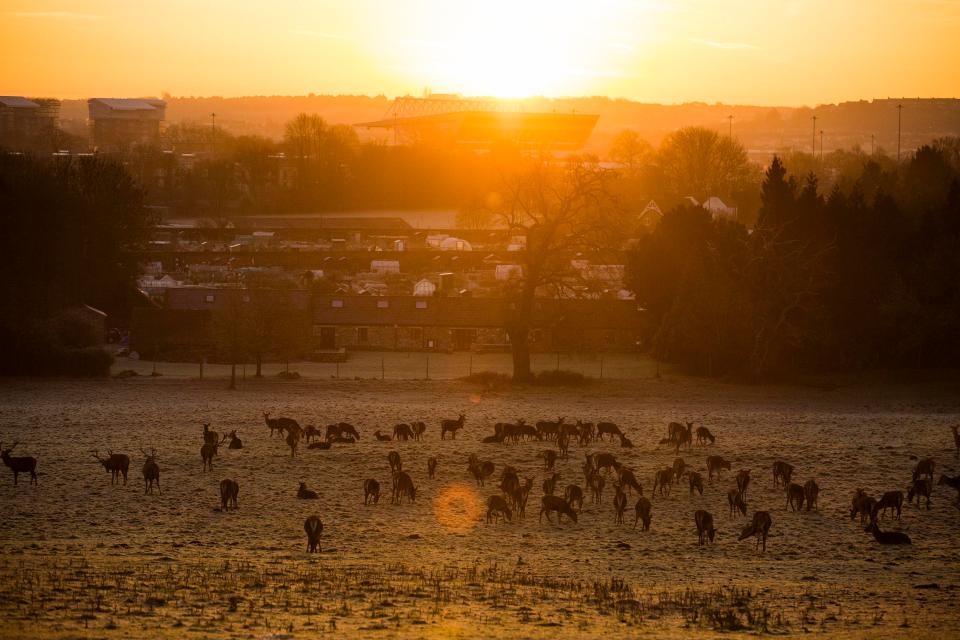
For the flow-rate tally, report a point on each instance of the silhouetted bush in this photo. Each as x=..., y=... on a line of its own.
x=489, y=379
x=560, y=378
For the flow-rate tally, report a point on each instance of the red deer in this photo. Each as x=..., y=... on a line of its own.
x=549, y=430
x=586, y=432
x=887, y=537
x=418, y=428
x=371, y=491
x=715, y=464
x=704, y=522
x=953, y=482
x=643, y=513
x=795, y=496
x=235, y=441
x=628, y=480
x=588, y=468
x=608, y=429
x=306, y=494
x=381, y=437
x=228, y=494
x=574, y=496
x=737, y=502
x=116, y=464
x=563, y=444
x=782, y=472
x=696, y=482
x=924, y=468
x=619, y=503
x=523, y=494
x=743, y=481
x=22, y=464
x=605, y=462
x=341, y=431
x=207, y=453
x=497, y=507
x=527, y=431
x=759, y=527
x=920, y=488
x=395, y=464
x=703, y=434
x=549, y=458
x=550, y=504
x=340, y=440
x=313, y=527
x=550, y=484
x=293, y=441
x=273, y=424
x=403, y=486
x=811, y=492
x=956, y=439
x=625, y=442
x=208, y=434
x=151, y=472
x=596, y=484
x=481, y=471
x=451, y=426
x=862, y=504
x=403, y=432
x=662, y=480
x=678, y=468
x=678, y=435
x=324, y=446
x=431, y=467
x=494, y=439
x=892, y=500
x=311, y=432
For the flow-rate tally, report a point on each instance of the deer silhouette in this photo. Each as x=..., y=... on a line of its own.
x=759, y=527
x=18, y=465
x=313, y=527
x=451, y=427
x=151, y=472
x=116, y=463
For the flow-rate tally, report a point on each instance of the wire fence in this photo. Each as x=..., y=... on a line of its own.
x=409, y=366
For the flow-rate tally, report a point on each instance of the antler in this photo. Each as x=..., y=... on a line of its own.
x=96, y=455
x=12, y=446
x=143, y=452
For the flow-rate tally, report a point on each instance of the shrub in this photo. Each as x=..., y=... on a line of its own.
x=560, y=378
x=489, y=379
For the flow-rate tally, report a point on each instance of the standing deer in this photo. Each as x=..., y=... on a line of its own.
x=759, y=527
x=563, y=444
x=811, y=492
x=306, y=494
x=151, y=472
x=209, y=435
x=395, y=464
x=737, y=502
x=235, y=442
x=678, y=468
x=920, y=488
x=862, y=504
x=924, y=468
x=795, y=496
x=116, y=464
x=743, y=481
x=662, y=480
x=704, y=522
x=371, y=491
x=207, y=453
x=574, y=496
x=549, y=458
x=523, y=494
x=451, y=426
x=313, y=527
x=403, y=486
x=497, y=507
x=550, y=484
x=481, y=471
x=418, y=428
x=431, y=467
x=887, y=537
x=293, y=441
x=311, y=432
x=703, y=434
x=228, y=494
x=715, y=464
x=696, y=482
x=18, y=465
x=619, y=503
x=605, y=462
x=782, y=473
x=608, y=429
x=550, y=504
x=629, y=480
x=278, y=424
x=403, y=432
x=596, y=483
x=892, y=500
x=642, y=510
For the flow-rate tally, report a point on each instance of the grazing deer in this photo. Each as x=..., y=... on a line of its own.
x=207, y=453
x=381, y=437
x=311, y=432
x=619, y=503
x=527, y=431
x=662, y=480
x=605, y=462
x=956, y=439
x=393, y=458
x=451, y=426
x=737, y=502
x=273, y=424
x=116, y=464
x=696, y=482
x=625, y=443
x=522, y=495
x=18, y=465
x=574, y=496
x=862, y=504
x=550, y=484
x=418, y=428
x=586, y=432
x=293, y=441
x=498, y=507
x=549, y=430
x=811, y=492
x=887, y=537
x=341, y=431
x=715, y=464
x=920, y=488
x=782, y=473
x=481, y=471
x=924, y=468
x=704, y=522
x=743, y=481
x=608, y=429
x=151, y=472
x=675, y=430
x=403, y=432
x=703, y=434
x=306, y=494
x=549, y=458
x=795, y=496
x=953, y=482
x=892, y=500
x=371, y=491
x=403, y=486
x=313, y=527
x=629, y=480
x=235, y=441
x=431, y=467
x=596, y=483
x=228, y=494
x=678, y=468
x=550, y=504
x=208, y=434
x=642, y=510
x=759, y=527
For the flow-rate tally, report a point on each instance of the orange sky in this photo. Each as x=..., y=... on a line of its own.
x=791, y=52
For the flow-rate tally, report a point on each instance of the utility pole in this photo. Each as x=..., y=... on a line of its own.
x=814, y=137
x=871, y=144
x=730, y=126
x=821, y=145
x=899, y=114
x=213, y=129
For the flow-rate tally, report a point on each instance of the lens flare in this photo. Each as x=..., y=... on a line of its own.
x=458, y=508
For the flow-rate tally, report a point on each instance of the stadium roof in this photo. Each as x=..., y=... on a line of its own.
x=18, y=102
x=130, y=104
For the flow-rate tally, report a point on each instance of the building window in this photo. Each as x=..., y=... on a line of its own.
x=362, y=335
x=336, y=304
x=421, y=304
x=383, y=304
x=416, y=334
x=210, y=298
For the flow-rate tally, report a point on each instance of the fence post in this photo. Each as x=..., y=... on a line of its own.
x=601, y=366
x=382, y=371
x=558, y=361
x=428, y=366
x=471, y=364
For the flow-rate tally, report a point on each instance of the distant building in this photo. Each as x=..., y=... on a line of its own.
x=28, y=124
x=117, y=124
x=718, y=210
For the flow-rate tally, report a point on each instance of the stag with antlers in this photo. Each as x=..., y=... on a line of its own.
x=116, y=464
x=151, y=472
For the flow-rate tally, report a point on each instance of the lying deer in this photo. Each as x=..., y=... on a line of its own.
x=431, y=467
x=497, y=507
x=550, y=504
x=795, y=496
x=371, y=491
x=418, y=428
x=151, y=472
x=703, y=434
x=313, y=527
x=306, y=494
x=451, y=427
x=235, y=442
x=116, y=464
x=737, y=502
x=759, y=527
x=811, y=492
x=381, y=437
x=549, y=459
x=715, y=464
x=924, y=468
x=782, y=472
x=393, y=458
x=887, y=537
x=550, y=484
x=18, y=465
x=619, y=503
x=403, y=486
x=704, y=522
x=228, y=494
x=696, y=482
x=643, y=513
x=662, y=480
x=743, y=481
x=574, y=496
x=920, y=488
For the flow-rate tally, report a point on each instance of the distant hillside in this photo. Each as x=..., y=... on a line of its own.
x=762, y=129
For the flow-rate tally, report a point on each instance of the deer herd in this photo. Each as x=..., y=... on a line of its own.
x=510, y=500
